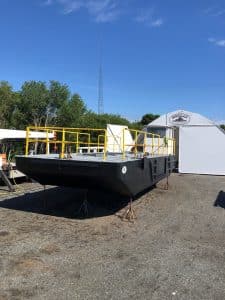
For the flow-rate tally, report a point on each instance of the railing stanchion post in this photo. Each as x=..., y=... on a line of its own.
x=98, y=144
x=27, y=141
x=89, y=142
x=174, y=147
x=77, y=140
x=47, y=142
x=158, y=144
x=145, y=138
x=63, y=143
x=105, y=145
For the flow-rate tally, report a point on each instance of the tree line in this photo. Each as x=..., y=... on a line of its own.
x=38, y=103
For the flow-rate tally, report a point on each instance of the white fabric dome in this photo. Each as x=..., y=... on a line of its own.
x=200, y=143
x=181, y=118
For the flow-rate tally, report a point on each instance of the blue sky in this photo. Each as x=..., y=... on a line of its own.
x=158, y=56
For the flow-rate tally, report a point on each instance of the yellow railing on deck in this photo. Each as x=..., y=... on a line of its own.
x=149, y=143
x=63, y=138
x=72, y=140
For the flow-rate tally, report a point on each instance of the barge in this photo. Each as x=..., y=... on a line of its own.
x=115, y=159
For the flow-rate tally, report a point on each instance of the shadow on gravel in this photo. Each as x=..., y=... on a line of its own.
x=220, y=200
x=68, y=203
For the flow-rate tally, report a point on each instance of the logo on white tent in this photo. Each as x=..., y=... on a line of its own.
x=180, y=118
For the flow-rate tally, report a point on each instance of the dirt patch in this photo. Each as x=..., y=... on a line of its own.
x=50, y=249
x=4, y=297
x=4, y=233
x=173, y=250
x=29, y=265
x=20, y=293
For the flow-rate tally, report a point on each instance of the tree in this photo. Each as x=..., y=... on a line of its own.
x=148, y=118
x=8, y=101
x=59, y=95
x=136, y=125
x=94, y=120
x=72, y=112
x=34, y=102
x=222, y=126
x=40, y=103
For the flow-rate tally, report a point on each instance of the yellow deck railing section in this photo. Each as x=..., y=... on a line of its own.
x=66, y=141
x=150, y=143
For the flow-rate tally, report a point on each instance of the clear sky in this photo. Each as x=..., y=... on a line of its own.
x=158, y=56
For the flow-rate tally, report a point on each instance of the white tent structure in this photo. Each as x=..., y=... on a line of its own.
x=21, y=134
x=200, y=143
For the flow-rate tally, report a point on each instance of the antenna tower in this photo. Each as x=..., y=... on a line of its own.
x=100, y=85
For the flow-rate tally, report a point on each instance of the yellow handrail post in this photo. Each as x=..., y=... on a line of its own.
x=145, y=137
x=63, y=144
x=158, y=144
x=168, y=146
x=27, y=141
x=47, y=143
x=105, y=145
x=98, y=144
x=174, y=147
x=89, y=141
x=77, y=142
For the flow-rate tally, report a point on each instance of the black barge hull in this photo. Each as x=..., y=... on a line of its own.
x=129, y=177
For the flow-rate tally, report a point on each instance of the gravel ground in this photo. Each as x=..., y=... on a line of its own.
x=175, y=249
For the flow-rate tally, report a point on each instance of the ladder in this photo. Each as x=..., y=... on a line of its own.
x=6, y=181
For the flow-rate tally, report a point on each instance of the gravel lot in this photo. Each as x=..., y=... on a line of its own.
x=175, y=249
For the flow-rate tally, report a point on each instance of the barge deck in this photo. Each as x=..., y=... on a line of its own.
x=127, y=172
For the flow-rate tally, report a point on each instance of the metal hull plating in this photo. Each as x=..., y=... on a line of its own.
x=128, y=177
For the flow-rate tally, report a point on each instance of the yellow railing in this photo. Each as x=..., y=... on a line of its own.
x=80, y=138
x=149, y=143
x=73, y=140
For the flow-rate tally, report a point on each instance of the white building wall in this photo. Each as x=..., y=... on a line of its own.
x=201, y=150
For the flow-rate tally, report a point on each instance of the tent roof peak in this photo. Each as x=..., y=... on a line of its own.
x=181, y=118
